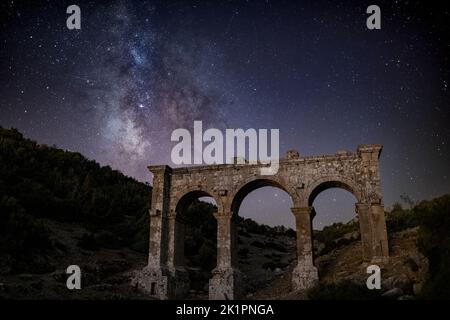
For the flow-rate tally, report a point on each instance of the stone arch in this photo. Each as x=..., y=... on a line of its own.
x=325, y=183
x=240, y=193
x=181, y=202
x=176, y=221
x=362, y=209
x=253, y=184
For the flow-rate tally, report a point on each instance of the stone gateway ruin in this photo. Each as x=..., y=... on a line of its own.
x=303, y=178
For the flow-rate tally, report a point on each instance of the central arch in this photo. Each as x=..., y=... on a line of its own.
x=249, y=186
x=246, y=246
x=326, y=183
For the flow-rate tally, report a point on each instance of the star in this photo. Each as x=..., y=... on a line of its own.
x=323, y=80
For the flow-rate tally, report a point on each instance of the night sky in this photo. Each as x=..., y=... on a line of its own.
x=116, y=89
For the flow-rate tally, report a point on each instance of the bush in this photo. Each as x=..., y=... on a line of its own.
x=275, y=246
x=200, y=235
x=400, y=219
x=332, y=236
x=23, y=239
x=247, y=225
x=257, y=244
x=335, y=231
x=291, y=233
x=88, y=242
x=102, y=239
x=243, y=233
x=434, y=242
x=207, y=256
x=243, y=253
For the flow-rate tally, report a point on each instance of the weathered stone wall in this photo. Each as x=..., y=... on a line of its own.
x=303, y=178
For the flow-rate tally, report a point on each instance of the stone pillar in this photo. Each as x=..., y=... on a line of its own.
x=224, y=284
x=365, y=227
x=155, y=277
x=305, y=274
x=371, y=210
x=179, y=278
x=380, y=249
x=373, y=232
x=176, y=242
x=380, y=232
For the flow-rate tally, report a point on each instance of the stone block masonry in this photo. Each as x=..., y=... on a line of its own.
x=303, y=178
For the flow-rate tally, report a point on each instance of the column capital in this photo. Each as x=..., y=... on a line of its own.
x=368, y=205
x=302, y=210
x=159, y=169
x=361, y=206
x=222, y=215
x=154, y=212
x=369, y=152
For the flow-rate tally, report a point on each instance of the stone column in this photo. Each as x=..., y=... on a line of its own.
x=158, y=228
x=155, y=277
x=365, y=227
x=158, y=216
x=373, y=232
x=179, y=278
x=224, y=284
x=305, y=274
x=380, y=251
x=371, y=210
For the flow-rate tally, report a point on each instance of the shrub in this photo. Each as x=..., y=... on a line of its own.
x=257, y=244
x=23, y=239
x=272, y=265
x=434, y=242
x=335, y=231
x=243, y=253
x=275, y=246
x=400, y=219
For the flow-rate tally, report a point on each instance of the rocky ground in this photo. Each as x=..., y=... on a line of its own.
x=265, y=261
x=105, y=272
x=402, y=277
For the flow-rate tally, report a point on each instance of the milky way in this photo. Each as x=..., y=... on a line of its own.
x=136, y=70
x=144, y=84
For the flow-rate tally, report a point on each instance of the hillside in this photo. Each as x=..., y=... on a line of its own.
x=58, y=208
x=418, y=267
x=40, y=183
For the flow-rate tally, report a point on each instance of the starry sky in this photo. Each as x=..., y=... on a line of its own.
x=116, y=89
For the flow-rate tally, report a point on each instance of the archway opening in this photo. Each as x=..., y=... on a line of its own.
x=266, y=243
x=333, y=206
x=197, y=240
x=336, y=231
